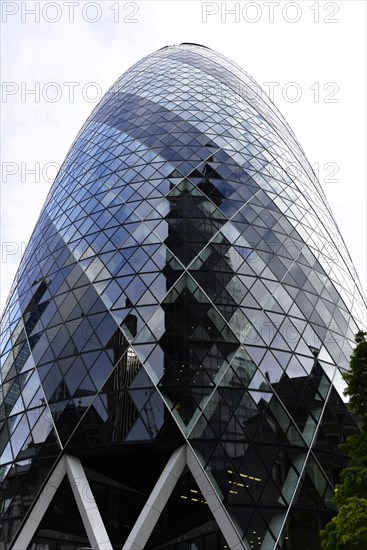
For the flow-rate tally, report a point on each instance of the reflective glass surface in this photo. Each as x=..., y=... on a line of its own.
x=185, y=282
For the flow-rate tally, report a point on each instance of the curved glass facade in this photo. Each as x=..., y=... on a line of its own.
x=186, y=286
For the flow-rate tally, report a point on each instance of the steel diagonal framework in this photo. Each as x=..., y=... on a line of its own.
x=176, y=334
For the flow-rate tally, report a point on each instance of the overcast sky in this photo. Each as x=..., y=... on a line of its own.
x=69, y=54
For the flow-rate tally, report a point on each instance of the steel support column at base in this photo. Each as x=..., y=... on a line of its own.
x=156, y=502
x=39, y=509
x=92, y=521
x=144, y=525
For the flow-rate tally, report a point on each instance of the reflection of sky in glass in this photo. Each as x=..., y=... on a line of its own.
x=190, y=272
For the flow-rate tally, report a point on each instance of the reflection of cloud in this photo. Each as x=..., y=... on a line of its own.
x=100, y=52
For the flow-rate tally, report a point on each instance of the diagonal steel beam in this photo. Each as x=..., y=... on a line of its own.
x=157, y=500
x=92, y=521
x=24, y=537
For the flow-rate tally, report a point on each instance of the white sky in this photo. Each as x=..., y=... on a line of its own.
x=329, y=120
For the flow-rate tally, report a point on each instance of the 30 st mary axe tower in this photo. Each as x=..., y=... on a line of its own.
x=174, y=341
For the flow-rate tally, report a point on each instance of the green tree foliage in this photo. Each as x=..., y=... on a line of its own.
x=348, y=529
x=356, y=379
x=356, y=447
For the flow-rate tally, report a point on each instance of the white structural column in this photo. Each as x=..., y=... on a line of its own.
x=157, y=500
x=34, y=519
x=92, y=521
x=207, y=486
x=93, y=524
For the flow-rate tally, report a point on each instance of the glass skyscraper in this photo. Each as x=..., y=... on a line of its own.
x=173, y=344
